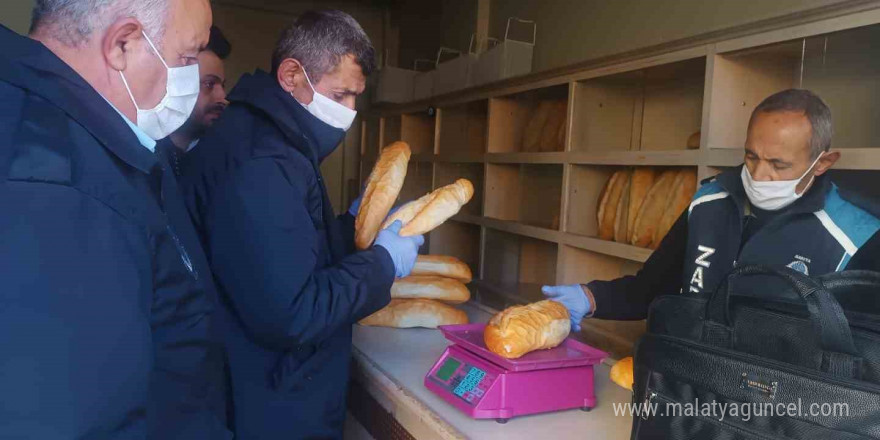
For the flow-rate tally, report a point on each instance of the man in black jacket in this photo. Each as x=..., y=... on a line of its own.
x=210, y=105
x=779, y=208
x=106, y=299
x=290, y=279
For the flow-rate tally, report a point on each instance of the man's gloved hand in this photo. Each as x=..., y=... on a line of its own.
x=403, y=250
x=356, y=205
x=573, y=298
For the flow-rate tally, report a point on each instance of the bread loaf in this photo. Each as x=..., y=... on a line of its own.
x=550, y=132
x=693, y=141
x=641, y=182
x=407, y=313
x=622, y=373
x=621, y=212
x=383, y=187
x=652, y=209
x=683, y=189
x=608, y=204
x=431, y=287
x=534, y=129
x=441, y=265
x=423, y=215
x=522, y=329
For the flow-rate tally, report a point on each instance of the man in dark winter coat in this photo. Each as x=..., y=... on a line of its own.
x=778, y=208
x=210, y=105
x=106, y=298
x=289, y=278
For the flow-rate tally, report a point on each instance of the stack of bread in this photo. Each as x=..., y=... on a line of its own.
x=545, y=130
x=421, y=299
x=638, y=206
x=426, y=297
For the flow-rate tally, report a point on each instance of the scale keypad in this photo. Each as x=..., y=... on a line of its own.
x=465, y=381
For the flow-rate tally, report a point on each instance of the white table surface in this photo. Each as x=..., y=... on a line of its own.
x=403, y=356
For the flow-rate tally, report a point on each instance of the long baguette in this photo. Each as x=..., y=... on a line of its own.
x=444, y=266
x=423, y=215
x=408, y=313
x=431, y=287
x=383, y=187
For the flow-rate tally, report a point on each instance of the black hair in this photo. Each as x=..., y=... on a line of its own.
x=320, y=39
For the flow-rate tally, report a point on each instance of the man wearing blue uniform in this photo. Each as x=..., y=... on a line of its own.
x=106, y=299
x=778, y=208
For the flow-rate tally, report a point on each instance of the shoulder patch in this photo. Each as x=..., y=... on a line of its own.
x=850, y=225
x=708, y=192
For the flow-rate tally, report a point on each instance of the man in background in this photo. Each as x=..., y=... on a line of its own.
x=106, y=300
x=210, y=105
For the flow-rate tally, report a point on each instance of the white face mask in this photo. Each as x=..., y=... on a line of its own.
x=327, y=110
x=773, y=195
x=181, y=94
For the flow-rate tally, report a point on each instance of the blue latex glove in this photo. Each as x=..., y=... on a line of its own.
x=403, y=250
x=355, y=205
x=573, y=298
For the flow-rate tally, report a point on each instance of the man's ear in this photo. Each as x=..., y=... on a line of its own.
x=290, y=75
x=118, y=41
x=825, y=162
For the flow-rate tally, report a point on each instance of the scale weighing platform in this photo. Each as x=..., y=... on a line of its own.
x=484, y=385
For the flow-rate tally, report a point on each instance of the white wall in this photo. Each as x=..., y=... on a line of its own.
x=576, y=30
x=16, y=14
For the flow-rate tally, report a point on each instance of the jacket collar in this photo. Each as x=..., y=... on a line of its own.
x=28, y=64
x=812, y=201
x=261, y=91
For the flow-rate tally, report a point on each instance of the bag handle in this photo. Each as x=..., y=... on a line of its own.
x=830, y=325
x=520, y=20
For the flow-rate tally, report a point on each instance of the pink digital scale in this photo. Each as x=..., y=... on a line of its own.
x=484, y=385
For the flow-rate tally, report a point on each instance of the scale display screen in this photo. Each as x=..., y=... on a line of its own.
x=445, y=372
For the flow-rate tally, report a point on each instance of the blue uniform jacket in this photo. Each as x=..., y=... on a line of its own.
x=105, y=295
x=821, y=232
x=285, y=266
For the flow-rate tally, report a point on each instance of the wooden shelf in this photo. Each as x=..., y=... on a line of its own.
x=460, y=158
x=529, y=158
x=655, y=158
x=510, y=117
x=610, y=248
x=462, y=128
x=657, y=108
x=533, y=217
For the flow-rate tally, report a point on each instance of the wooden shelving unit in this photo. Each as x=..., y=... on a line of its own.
x=532, y=220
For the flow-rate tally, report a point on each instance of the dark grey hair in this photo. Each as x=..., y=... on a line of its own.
x=320, y=39
x=72, y=22
x=808, y=103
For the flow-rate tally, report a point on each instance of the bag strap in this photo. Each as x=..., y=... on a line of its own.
x=830, y=325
